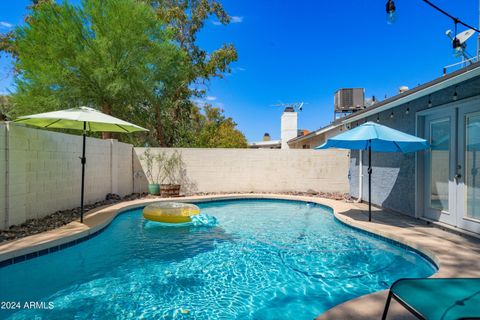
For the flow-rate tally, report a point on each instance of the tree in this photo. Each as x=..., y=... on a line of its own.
x=5, y=107
x=106, y=53
x=185, y=19
x=214, y=130
x=134, y=59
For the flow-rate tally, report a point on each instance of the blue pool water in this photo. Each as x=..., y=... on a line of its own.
x=265, y=259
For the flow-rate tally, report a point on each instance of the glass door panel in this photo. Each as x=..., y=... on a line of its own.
x=468, y=181
x=439, y=165
x=472, y=165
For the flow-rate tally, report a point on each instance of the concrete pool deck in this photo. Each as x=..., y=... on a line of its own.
x=456, y=255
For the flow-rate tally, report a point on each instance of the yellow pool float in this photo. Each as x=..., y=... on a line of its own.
x=170, y=212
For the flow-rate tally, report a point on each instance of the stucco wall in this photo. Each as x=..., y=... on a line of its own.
x=393, y=177
x=44, y=172
x=257, y=170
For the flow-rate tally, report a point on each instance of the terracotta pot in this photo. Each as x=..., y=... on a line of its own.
x=170, y=190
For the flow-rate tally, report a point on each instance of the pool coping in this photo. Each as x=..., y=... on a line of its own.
x=98, y=219
x=29, y=247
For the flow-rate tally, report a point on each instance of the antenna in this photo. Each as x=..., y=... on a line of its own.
x=298, y=106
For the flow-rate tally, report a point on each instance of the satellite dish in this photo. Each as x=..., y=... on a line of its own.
x=465, y=35
x=459, y=42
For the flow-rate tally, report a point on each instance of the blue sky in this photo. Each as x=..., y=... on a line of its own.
x=305, y=50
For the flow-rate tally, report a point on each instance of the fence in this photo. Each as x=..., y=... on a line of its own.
x=256, y=170
x=40, y=172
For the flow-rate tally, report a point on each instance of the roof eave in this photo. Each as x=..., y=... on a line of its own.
x=416, y=93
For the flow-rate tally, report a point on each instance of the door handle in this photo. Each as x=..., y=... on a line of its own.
x=458, y=176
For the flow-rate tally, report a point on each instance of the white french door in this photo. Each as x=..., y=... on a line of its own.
x=452, y=166
x=468, y=190
x=440, y=167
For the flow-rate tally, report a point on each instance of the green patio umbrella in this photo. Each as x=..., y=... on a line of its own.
x=82, y=118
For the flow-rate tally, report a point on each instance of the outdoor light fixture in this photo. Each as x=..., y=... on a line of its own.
x=391, y=115
x=407, y=111
x=429, y=102
x=455, y=95
x=391, y=16
x=378, y=118
x=458, y=46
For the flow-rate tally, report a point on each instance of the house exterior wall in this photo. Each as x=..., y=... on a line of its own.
x=315, y=140
x=256, y=170
x=393, y=177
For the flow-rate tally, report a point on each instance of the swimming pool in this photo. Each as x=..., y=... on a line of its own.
x=265, y=259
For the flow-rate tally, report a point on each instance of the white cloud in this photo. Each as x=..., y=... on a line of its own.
x=233, y=19
x=235, y=70
x=210, y=98
x=236, y=19
x=5, y=24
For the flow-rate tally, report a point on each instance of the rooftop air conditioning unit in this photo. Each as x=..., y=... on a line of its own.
x=349, y=100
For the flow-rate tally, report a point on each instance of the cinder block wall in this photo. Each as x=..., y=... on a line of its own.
x=256, y=170
x=3, y=174
x=40, y=172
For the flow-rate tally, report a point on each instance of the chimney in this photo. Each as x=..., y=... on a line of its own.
x=266, y=136
x=403, y=89
x=289, y=126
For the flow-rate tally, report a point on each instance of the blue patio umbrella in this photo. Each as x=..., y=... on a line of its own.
x=375, y=137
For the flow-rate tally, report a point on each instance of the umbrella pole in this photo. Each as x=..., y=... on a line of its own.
x=83, y=160
x=370, y=180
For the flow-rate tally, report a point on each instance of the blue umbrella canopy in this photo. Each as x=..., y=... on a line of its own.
x=380, y=138
x=375, y=137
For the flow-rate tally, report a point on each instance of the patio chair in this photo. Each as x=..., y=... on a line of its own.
x=437, y=298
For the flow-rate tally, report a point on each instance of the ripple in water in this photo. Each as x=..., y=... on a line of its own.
x=244, y=259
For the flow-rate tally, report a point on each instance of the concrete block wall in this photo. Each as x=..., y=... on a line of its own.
x=40, y=172
x=256, y=170
x=3, y=174
x=124, y=168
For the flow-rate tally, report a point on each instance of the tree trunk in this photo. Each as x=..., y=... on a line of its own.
x=107, y=109
x=159, y=128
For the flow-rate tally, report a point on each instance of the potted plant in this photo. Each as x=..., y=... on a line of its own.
x=153, y=179
x=170, y=166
